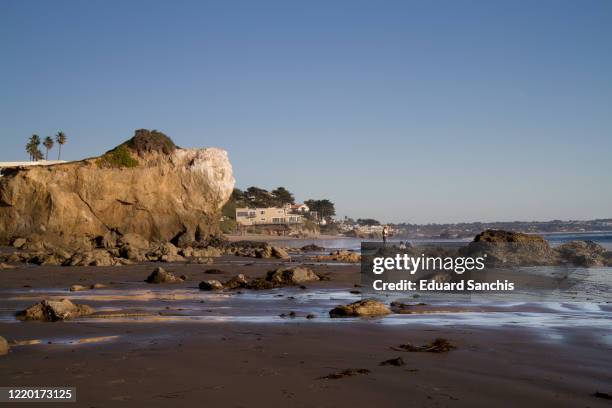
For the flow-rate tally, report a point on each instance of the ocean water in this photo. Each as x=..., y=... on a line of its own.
x=602, y=238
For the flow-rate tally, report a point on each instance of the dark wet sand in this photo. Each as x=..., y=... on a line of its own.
x=241, y=364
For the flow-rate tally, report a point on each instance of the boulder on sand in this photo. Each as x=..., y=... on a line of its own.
x=340, y=256
x=238, y=281
x=54, y=310
x=291, y=275
x=160, y=275
x=366, y=307
x=280, y=253
x=19, y=242
x=4, y=346
x=212, y=284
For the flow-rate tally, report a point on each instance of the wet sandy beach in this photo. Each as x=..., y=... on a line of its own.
x=183, y=346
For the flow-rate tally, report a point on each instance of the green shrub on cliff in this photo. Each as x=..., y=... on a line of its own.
x=147, y=141
x=118, y=157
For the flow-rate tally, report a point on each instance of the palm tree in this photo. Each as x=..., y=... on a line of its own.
x=48, y=143
x=37, y=154
x=32, y=147
x=60, y=138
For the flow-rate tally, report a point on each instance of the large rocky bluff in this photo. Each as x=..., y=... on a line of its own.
x=147, y=186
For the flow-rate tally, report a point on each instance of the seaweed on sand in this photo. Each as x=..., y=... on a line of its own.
x=439, y=345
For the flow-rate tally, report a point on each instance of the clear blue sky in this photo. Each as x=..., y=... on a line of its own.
x=419, y=111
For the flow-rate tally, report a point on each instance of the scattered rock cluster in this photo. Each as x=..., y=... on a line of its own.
x=113, y=250
x=284, y=276
x=256, y=250
x=340, y=256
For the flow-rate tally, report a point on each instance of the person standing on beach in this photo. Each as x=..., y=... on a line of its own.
x=385, y=233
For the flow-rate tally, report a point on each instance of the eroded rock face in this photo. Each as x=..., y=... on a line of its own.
x=145, y=186
x=54, y=310
x=366, y=307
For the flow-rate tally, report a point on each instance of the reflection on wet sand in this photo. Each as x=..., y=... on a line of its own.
x=166, y=305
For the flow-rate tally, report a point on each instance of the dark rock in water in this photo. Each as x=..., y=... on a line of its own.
x=608, y=258
x=238, y=281
x=510, y=248
x=393, y=362
x=312, y=248
x=500, y=236
x=54, y=310
x=160, y=275
x=583, y=253
x=291, y=275
x=366, y=307
x=212, y=284
x=4, y=346
x=260, y=283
